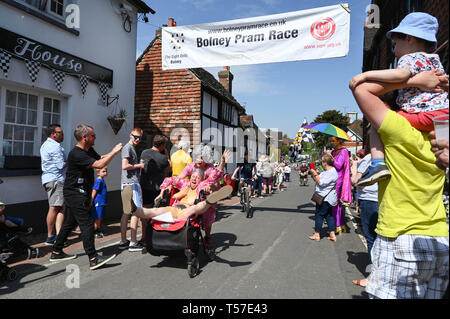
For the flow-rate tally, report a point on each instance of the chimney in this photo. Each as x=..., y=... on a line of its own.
x=226, y=78
x=172, y=22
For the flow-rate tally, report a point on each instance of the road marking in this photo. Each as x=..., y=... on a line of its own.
x=266, y=254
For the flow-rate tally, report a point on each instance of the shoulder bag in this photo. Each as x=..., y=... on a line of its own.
x=318, y=199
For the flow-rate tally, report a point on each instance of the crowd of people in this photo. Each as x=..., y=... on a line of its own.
x=396, y=181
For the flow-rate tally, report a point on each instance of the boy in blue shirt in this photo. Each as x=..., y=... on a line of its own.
x=99, y=199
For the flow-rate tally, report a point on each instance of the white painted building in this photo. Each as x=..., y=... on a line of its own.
x=96, y=39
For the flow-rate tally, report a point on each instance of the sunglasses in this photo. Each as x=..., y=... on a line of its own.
x=137, y=137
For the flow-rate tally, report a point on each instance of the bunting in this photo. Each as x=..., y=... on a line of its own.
x=33, y=68
x=58, y=77
x=5, y=61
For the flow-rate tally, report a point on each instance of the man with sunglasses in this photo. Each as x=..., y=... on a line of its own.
x=53, y=165
x=131, y=191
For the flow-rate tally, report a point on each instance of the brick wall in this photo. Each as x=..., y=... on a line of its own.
x=166, y=100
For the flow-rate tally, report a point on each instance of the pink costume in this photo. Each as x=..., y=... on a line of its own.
x=212, y=176
x=343, y=186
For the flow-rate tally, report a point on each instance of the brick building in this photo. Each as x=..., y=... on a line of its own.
x=378, y=52
x=190, y=102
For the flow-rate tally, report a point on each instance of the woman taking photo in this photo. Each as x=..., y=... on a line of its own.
x=325, y=187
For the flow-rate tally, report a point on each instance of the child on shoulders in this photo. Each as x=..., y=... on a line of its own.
x=412, y=41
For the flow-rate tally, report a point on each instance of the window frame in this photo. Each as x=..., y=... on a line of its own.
x=39, y=126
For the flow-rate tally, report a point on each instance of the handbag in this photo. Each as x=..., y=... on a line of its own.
x=318, y=199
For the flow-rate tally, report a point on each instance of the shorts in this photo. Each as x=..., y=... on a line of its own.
x=55, y=193
x=423, y=121
x=177, y=211
x=98, y=212
x=409, y=266
x=268, y=180
x=131, y=198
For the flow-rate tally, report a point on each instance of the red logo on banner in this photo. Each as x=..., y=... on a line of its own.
x=323, y=29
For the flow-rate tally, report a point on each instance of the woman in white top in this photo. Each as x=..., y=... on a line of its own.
x=325, y=186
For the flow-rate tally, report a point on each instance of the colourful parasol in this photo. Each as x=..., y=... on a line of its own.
x=328, y=129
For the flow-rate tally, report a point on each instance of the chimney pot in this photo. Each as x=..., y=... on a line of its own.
x=172, y=22
x=226, y=78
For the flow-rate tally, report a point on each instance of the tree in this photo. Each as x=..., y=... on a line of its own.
x=333, y=117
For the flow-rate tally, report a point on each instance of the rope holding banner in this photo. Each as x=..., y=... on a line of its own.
x=343, y=5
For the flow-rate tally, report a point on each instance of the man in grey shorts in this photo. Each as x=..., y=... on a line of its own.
x=53, y=164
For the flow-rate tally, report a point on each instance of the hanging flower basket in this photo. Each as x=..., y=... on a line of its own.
x=116, y=123
x=116, y=120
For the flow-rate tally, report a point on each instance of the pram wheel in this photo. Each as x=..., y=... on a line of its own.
x=193, y=267
x=32, y=253
x=12, y=275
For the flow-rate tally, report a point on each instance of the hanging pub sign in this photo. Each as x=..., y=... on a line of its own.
x=317, y=33
x=30, y=50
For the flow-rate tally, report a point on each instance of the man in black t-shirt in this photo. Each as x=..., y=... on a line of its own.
x=77, y=195
x=157, y=162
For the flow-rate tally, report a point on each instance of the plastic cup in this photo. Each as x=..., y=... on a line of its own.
x=441, y=127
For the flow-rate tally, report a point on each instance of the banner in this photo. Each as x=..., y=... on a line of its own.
x=301, y=35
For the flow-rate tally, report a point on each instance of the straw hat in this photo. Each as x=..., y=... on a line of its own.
x=263, y=158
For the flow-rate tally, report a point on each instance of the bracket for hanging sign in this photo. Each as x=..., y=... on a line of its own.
x=108, y=102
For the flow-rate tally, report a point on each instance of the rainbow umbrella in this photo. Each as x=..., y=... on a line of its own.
x=328, y=129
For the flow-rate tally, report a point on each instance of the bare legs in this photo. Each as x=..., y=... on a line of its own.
x=55, y=219
x=147, y=213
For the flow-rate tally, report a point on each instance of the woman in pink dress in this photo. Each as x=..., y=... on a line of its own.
x=344, y=184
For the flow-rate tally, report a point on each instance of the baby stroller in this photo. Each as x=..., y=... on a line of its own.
x=168, y=239
x=11, y=243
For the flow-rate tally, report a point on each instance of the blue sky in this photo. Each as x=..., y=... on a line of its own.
x=278, y=95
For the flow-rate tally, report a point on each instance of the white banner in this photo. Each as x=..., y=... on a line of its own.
x=301, y=35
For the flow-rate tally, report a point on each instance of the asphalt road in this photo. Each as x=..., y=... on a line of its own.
x=266, y=257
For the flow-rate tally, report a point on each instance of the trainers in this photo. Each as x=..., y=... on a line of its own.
x=99, y=261
x=374, y=175
x=136, y=247
x=50, y=240
x=61, y=256
x=124, y=245
x=98, y=234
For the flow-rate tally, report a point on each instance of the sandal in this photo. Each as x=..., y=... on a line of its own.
x=360, y=282
x=314, y=238
x=333, y=239
x=219, y=195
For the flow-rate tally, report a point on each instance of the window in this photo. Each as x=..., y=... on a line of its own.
x=23, y=123
x=57, y=7
x=226, y=112
x=51, y=7
x=20, y=126
x=206, y=103
x=51, y=114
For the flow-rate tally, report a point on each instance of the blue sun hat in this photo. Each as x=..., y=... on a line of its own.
x=418, y=24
